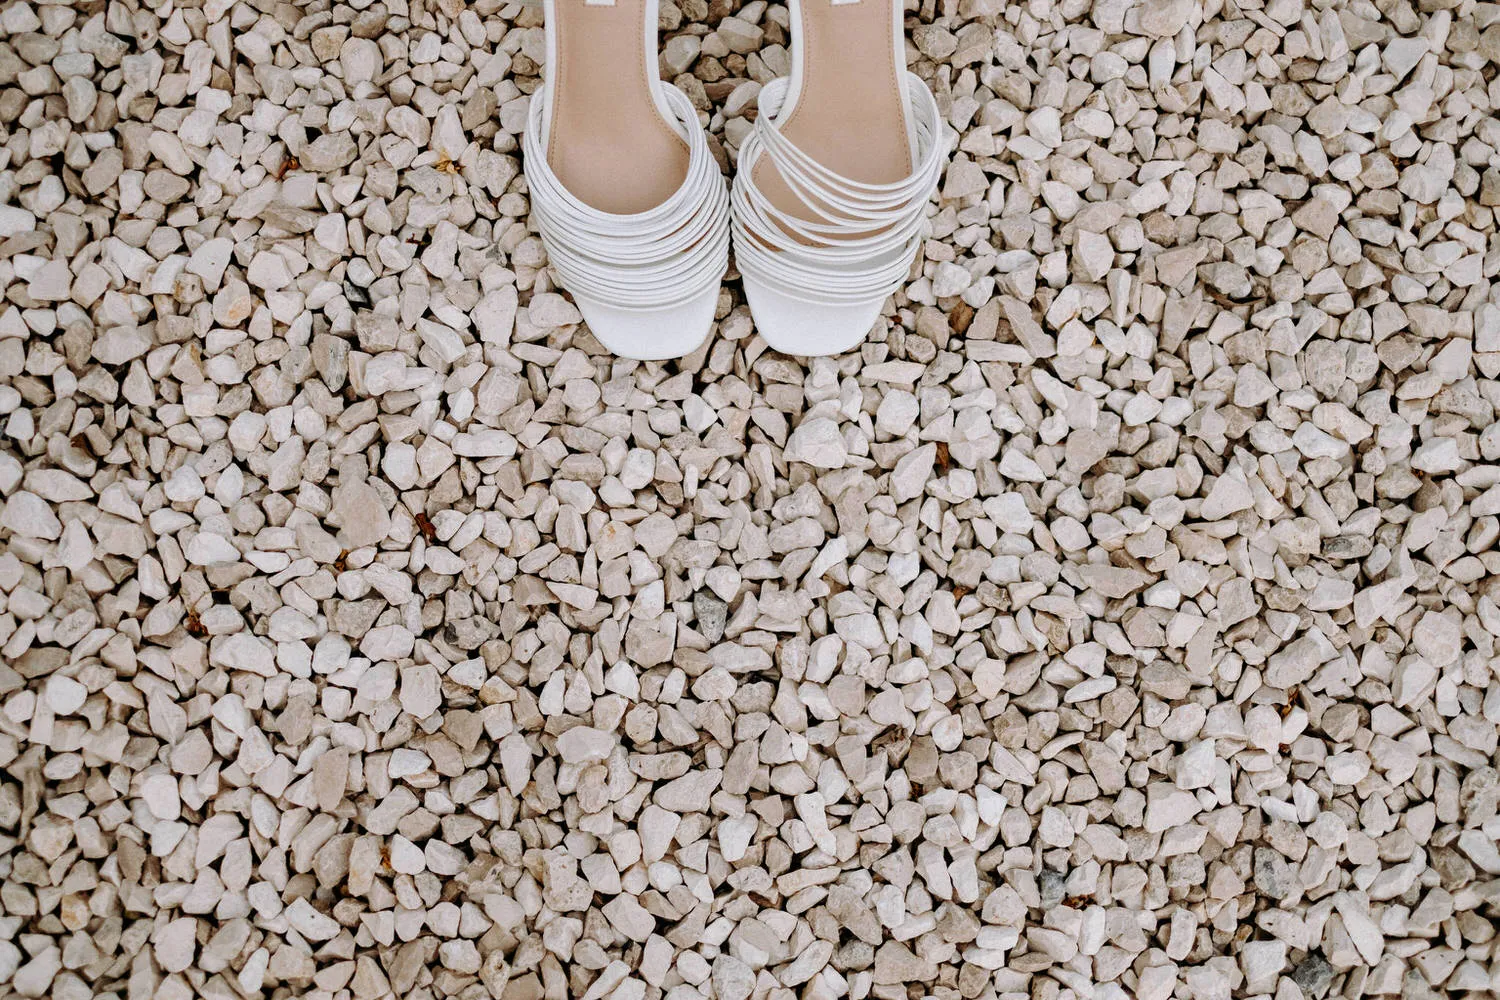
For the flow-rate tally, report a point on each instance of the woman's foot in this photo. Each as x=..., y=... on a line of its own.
x=834, y=182
x=626, y=195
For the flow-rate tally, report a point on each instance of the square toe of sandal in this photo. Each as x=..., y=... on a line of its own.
x=651, y=334
x=807, y=329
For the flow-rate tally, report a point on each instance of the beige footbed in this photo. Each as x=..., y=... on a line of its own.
x=849, y=116
x=609, y=145
x=611, y=148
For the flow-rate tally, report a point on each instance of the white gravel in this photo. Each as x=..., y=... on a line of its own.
x=1118, y=622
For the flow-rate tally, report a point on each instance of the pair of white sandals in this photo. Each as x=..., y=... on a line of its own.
x=828, y=205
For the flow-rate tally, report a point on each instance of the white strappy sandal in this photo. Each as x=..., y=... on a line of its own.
x=625, y=193
x=833, y=183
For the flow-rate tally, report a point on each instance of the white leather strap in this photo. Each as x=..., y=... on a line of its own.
x=650, y=260
x=863, y=237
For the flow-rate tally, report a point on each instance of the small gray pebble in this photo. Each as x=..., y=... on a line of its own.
x=1273, y=876
x=712, y=613
x=1313, y=974
x=1053, y=886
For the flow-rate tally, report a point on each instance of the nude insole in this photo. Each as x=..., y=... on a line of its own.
x=609, y=144
x=849, y=116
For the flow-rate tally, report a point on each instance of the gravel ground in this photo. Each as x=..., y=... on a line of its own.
x=1118, y=622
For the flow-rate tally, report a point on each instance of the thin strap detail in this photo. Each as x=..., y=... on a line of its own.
x=651, y=260
x=862, y=238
